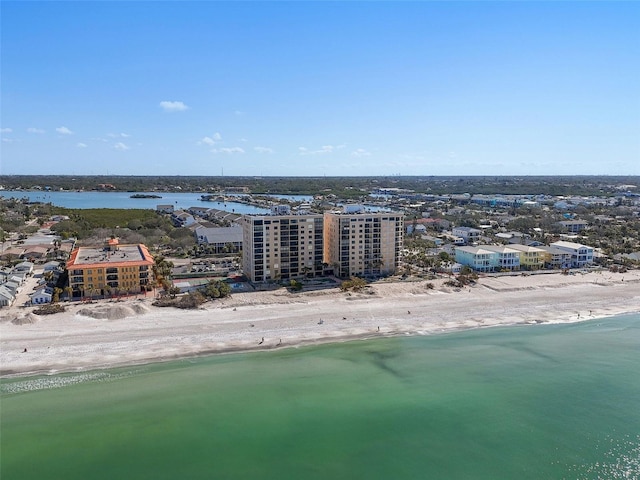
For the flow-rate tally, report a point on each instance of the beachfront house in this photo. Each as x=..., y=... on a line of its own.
x=479, y=259
x=41, y=296
x=556, y=258
x=581, y=255
x=508, y=258
x=531, y=258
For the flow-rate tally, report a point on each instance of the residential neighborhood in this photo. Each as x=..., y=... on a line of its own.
x=401, y=234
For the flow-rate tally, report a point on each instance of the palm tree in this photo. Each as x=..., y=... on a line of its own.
x=56, y=294
x=161, y=269
x=69, y=292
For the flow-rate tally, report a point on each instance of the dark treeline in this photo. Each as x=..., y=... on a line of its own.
x=344, y=187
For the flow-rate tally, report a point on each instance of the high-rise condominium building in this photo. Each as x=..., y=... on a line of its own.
x=361, y=244
x=278, y=247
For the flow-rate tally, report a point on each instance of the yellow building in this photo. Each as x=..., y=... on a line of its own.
x=531, y=258
x=363, y=243
x=112, y=268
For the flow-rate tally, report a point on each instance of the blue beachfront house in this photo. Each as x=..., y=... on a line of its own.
x=479, y=258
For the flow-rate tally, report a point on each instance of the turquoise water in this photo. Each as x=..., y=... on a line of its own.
x=535, y=402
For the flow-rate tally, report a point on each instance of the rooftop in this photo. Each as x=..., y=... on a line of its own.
x=125, y=254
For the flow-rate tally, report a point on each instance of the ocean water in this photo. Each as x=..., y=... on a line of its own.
x=525, y=402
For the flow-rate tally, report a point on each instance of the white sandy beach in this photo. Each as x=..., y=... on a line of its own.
x=113, y=333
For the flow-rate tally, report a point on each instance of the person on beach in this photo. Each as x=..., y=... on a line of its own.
x=261, y=341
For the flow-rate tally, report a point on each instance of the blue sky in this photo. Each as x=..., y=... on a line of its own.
x=320, y=88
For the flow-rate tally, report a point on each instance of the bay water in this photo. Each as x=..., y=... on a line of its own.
x=522, y=402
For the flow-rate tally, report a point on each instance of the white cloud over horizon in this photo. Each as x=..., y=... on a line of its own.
x=81, y=145
x=360, y=152
x=169, y=106
x=228, y=150
x=64, y=131
x=35, y=130
x=263, y=149
x=212, y=140
x=6, y=130
x=121, y=146
x=325, y=149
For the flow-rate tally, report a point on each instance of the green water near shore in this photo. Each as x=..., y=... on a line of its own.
x=535, y=402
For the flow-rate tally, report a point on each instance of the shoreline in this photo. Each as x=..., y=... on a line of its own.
x=112, y=334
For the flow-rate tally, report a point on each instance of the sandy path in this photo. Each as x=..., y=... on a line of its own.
x=135, y=332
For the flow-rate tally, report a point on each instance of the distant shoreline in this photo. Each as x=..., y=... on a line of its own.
x=112, y=334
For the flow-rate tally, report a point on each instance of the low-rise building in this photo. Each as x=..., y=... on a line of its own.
x=508, y=258
x=127, y=268
x=470, y=235
x=581, y=255
x=478, y=258
x=41, y=296
x=573, y=226
x=164, y=208
x=7, y=297
x=220, y=239
x=531, y=258
x=556, y=258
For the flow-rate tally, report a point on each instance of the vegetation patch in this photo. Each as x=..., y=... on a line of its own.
x=49, y=309
x=354, y=283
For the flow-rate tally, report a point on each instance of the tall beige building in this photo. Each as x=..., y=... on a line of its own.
x=363, y=243
x=278, y=247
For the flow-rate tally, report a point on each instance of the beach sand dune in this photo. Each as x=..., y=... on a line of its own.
x=107, y=334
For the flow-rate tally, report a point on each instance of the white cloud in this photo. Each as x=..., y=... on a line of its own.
x=212, y=140
x=360, y=152
x=64, y=131
x=168, y=106
x=263, y=149
x=121, y=146
x=228, y=150
x=81, y=145
x=35, y=130
x=323, y=150
x=6, y=130
x=7, y=140
x=118, y=135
